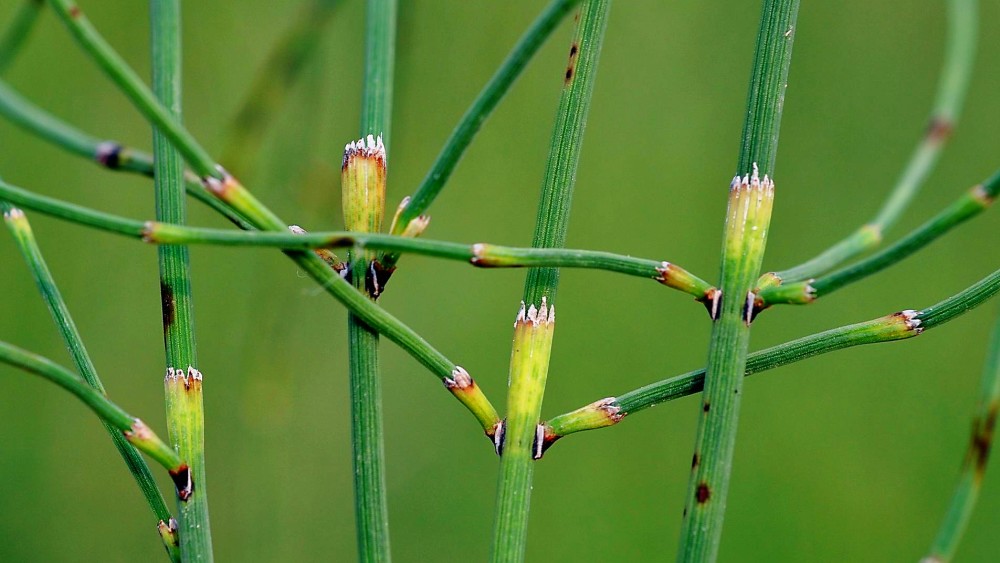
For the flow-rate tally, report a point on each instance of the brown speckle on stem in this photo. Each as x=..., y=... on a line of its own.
x=703, y=493
x=939, y=129
x=168, y=304
x=571, y=67
x=694, y=460
x=982, y=441
x=74, y=11
x=980, y=194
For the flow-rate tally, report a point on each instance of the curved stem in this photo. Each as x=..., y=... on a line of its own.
x=971, y=204
x=137, y=433
x=20, y=228
x=953, y=83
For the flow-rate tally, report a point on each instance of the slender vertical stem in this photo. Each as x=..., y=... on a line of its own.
x=183, y=387
x=20, y=228
x=974, y=468
x=14, y=36
x=743, y=250
x=364, y=206
x=519, y=443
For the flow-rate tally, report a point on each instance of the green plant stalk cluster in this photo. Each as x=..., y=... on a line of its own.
x=747, y=223
x=974, y=466
x=273, y=83
x=23, y=236
x=183, y=394
x=107, y=154
x=897, y=326
x=16, y=34
x=970, y=204
x=364, y=185
x=484, y=104
x=953, y=84
x=134, y=430
x=528, y=376
x=230, y=191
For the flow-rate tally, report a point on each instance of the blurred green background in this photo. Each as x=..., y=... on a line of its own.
x=846, y=457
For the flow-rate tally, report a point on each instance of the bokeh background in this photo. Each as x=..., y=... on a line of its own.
x=847, y=457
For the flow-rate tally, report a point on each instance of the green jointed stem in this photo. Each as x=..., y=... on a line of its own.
x=476, y=115
x=137, y=433
x=184, y=404
x=20, y=228
x=975, y=201
x=520, y=442
x=747, y=223
x=273, y=83
x=17, y=32
x=974, y=467
x=319, y=270
x=108, y=154
x=953, y=83
x=364, y=176
x=897, y=326
x=237, y=198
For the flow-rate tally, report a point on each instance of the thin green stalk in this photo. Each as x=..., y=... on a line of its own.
x=474, y=117
x=132, y=86
x=971, y=204
x=107, y=154
x=229, y=190
x=20, y=228
x=273, y=83
x=184, y=398
x=480, y=255
x=519, y=440
x=897, y=326
x=953, y=83
x=974, y=467
x=17, y=32
x=364, y=207
x=137, y=433
x=747, y=221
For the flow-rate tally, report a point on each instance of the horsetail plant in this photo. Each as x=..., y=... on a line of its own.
x=356, y=282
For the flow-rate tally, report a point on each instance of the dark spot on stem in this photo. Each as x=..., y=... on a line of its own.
x=571, y=67
x=168, y=304
x=74, y=11
x=109, y=154
x=703, y=493
x=706, y=407
x=694, y=460
x=939, y=129
x=183, y=482
x=982, y=441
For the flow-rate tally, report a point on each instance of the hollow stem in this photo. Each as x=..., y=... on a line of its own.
x=953, y=83
x=518, y=445
x=184, y=403
x=897, y=326
x=971, y=204
x=20, y=228
x=747, y=222
x=970, y=481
